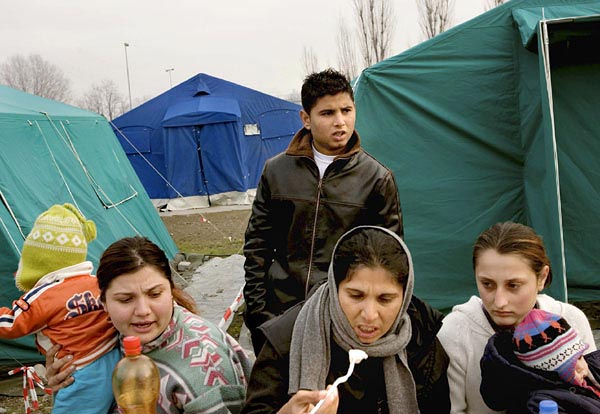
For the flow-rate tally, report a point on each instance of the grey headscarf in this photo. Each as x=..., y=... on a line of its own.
x=322, y=315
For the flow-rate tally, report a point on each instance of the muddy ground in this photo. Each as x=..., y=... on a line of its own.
x=210, y=233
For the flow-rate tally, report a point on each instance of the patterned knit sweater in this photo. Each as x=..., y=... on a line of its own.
x=202, y=369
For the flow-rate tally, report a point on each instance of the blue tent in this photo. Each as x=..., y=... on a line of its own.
x=205, y=141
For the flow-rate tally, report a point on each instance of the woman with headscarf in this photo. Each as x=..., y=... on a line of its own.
x=367, y=304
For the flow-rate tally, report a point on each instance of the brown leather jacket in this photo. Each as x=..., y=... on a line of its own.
x=298, y=217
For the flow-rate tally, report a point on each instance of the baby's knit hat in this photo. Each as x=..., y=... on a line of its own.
x=546, y=341
x=58, y=239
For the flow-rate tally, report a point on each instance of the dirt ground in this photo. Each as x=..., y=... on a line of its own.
x=209, y=233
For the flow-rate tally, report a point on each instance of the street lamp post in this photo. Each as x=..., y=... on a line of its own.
x=169, y=72
x=127, y=67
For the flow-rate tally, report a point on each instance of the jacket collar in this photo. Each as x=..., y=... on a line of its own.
x=301, y=145
x=79, y=269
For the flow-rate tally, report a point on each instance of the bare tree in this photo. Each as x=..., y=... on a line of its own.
x=375, y=21
x=104, y=98
x=434, y=16
x=490, y=4
x=293, y=96
x=310, y=63
x=35, y=75
x=346, y=51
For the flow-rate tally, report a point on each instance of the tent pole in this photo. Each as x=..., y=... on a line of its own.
x=204, y=180
x=547, y=71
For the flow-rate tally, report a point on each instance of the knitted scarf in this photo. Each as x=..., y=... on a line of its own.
x=322, y=319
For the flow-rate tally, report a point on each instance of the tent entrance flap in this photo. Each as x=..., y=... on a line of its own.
x=567, y=61
x=201, y=111
x=574, y=69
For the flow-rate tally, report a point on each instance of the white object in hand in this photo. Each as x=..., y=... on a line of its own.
x=355, y=356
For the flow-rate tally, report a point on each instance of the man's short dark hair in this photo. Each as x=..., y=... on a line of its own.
x=318, y=84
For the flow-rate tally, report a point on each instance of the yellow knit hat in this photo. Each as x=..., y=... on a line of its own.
x=58, y=239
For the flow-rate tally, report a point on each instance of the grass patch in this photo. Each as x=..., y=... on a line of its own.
x=225, y=248
x=236, y=323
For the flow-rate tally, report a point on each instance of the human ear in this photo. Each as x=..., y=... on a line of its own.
x=541, y=280
x=305, y=118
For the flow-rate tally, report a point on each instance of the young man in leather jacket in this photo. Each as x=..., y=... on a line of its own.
x=323, y=185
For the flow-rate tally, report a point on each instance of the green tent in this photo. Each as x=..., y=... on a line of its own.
x=494, y=120
x=52, y=153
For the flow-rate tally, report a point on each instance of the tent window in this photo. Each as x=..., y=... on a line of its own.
x=279, y=123
x=251, y=129
x=137, y=140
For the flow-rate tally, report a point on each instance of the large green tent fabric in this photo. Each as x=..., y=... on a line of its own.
x=52, y=153
x=494, y=120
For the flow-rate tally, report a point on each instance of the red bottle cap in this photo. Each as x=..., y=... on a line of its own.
x=132, y=345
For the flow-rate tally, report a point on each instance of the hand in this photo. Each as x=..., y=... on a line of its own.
x=58, y=372
x=303, y=401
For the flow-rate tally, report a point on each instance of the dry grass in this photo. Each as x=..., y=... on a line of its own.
x=219, y=233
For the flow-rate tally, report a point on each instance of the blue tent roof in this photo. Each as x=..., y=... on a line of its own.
x=205, y=136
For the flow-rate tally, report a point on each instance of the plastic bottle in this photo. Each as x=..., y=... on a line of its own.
x=135, y=380
x=548, y=407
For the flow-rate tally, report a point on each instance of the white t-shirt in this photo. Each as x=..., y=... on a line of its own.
x=322, y=161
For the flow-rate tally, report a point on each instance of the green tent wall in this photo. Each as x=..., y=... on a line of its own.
x=52, y=153
x=494, y=120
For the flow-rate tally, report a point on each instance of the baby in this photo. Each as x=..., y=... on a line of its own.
x=546, y=341
x=61, y=306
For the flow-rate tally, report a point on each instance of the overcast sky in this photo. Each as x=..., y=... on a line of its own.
x=256, y=43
